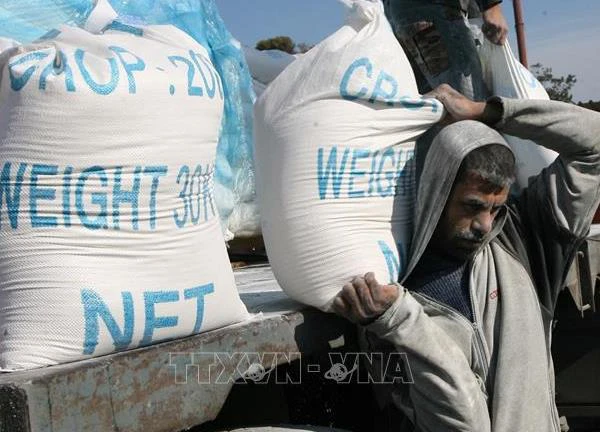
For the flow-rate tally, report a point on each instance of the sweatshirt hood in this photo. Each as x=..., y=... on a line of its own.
x=440, y=168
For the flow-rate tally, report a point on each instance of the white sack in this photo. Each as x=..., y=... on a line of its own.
x=259, y=88
x=244, y=220
x=109, y=237
x=266, y=65
x=335, y=135
x=506, y=76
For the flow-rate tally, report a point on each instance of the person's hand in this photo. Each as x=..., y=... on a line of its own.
x=495, y=27
x=458, y=107
x=364, y=300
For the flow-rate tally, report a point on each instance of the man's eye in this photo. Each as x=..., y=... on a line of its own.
x=474, y=208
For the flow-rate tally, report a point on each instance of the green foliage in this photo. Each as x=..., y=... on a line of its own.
x=303, y=47
x=558, y=87
x=282, y=43
x=590, y=105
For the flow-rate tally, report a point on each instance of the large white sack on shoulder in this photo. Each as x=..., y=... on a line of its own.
x=506, y=76
x=266, y=65
x=108, y=230
x=335, y=135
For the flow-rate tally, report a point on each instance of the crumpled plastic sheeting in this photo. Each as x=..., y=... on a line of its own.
x=234, y=172
x=19, y=23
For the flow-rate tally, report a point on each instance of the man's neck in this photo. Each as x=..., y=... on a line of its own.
x=433, y=253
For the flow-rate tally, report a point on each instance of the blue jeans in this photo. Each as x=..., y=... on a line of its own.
x=436, y=38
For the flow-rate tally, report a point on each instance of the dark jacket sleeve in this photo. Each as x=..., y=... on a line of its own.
x=557, y=207
x=486, y=4
x=482, y=4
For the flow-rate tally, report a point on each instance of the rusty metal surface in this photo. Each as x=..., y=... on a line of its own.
x=151, y=389
x=85, y=391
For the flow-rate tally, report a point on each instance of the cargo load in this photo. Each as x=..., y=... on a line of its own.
x=335, y=135
x=109, y=232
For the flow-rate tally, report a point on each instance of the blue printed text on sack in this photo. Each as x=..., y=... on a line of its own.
x=100, y=197
x=363, y=80
x=362, y=173
x=98, y=313
x=74, y=68
x=395, y=259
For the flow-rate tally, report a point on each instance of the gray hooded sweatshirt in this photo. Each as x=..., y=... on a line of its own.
x=496, y=373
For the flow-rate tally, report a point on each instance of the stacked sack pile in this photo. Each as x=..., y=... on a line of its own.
x=109, y=231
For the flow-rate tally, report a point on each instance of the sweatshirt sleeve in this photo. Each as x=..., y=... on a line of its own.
x=445, y=394
x=558, y=205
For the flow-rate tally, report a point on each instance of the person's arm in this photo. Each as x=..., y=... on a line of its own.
x=558, y=205
x=495, y=27
x=445, y=394
x=570, y=187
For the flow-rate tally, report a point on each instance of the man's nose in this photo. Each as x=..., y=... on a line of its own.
x=483, y=223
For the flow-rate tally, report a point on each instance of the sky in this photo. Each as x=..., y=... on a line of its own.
x=563, y=35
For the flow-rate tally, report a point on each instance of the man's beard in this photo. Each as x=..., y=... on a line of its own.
x=470, y=236
x=465, y=244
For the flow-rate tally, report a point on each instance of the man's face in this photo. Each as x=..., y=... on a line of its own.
x=468, y=217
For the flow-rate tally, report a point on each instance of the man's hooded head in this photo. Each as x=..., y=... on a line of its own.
x=463, y=187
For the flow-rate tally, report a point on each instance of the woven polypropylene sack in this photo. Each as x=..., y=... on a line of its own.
x=266, y=65
x=505, y=76
x=28, y=20
x=335, y=136
x=109, y=233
